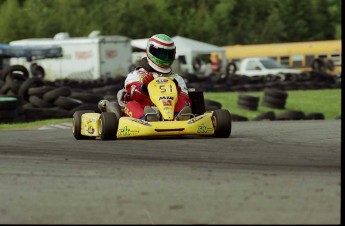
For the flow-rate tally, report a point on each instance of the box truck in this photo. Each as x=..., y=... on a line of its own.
x=86, y=58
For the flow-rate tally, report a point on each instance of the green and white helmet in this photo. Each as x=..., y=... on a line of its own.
x=160, y=52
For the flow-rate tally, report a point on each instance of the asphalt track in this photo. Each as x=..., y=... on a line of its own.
x=268, y=172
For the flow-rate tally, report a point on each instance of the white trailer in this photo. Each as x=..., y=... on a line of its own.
x=86, y=58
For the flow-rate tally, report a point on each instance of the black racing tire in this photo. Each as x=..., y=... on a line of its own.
x=15, y=80
x=40, y=91
x=271, y=105
x=244, y=104
x=291, y=115
x=318, y=65
x=76, y=125
x=221, y=119
x=330, y=64
x=276, y=93
x=196, y=62
x=230, y=69
x=39, y=102
x=248, y=98
x=1, y=83
x=67, y=103
x=87, y=97
x=315, y=116
x=107, y=89
x=28, y=105
x=12, y=68
x=37, y=70
x=5, y=88
x=238, y=118
x=108, y=125
x=270, y=116
x=274, y=100
x=29, y=83
x=52, y=95
x=209, y=102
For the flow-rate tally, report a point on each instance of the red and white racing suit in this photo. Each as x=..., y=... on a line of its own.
x=139, y=98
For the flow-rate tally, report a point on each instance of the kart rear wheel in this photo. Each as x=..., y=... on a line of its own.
x=108, y=124
x=76, y=125
x=221, y=119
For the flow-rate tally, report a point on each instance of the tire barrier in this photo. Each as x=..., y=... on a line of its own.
x=315, y=116
x=248, y=102
x=212, y=104
x=38, y=99
x=291, y=115
x=285, y=115
x=274, y=98
x=14, y=68
x=266, y=116
x=238, y=118
x=240, y=83
x=24, y=98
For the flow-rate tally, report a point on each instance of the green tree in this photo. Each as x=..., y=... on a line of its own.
x=12, y=22
x=220, y=22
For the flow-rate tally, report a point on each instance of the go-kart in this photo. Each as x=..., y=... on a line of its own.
x=163, y=94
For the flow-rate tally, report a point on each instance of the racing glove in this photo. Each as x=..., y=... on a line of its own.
x=135, y=91
x=148, y=78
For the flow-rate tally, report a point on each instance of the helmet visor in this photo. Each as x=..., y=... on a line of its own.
x=162, y=54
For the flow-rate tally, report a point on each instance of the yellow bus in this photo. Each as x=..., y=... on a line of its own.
x=306, y=56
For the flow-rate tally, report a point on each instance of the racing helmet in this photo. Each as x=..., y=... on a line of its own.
x=160, y=52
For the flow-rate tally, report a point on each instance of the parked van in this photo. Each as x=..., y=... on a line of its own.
x=86, y=58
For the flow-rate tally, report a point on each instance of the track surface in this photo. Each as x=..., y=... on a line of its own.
x=275, y=172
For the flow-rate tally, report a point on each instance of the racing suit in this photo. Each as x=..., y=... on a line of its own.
x=139, y=97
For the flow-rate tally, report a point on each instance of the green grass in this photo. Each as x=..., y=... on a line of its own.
x=326, y=101
x=32, y=125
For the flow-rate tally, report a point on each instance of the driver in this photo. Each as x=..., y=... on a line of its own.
x=160, y=54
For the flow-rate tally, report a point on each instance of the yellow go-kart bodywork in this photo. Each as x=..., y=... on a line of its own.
x=162, y=91
x=133, y=127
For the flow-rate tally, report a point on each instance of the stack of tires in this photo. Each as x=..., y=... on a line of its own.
x=274, y=98
x=12, y=78
x=291, y=115
x=32, y=98
x=248, y=102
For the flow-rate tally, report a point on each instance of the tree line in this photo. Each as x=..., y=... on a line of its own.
x=219, y=22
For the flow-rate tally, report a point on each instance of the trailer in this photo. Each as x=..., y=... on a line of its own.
x=85, y=58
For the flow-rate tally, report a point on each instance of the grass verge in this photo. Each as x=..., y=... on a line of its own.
x=32, y=125
x=326, y=101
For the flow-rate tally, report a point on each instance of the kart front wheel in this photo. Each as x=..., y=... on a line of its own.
x=108, y=124
x=221, y=119
x=76, y=125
